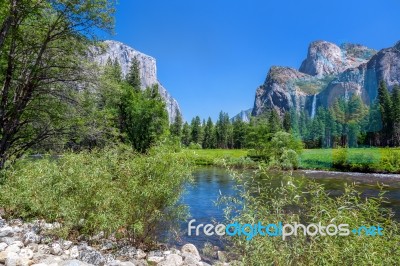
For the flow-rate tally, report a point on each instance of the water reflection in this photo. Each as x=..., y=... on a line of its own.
x=210, y=182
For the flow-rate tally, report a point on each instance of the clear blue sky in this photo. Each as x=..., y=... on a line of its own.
x=212, y=55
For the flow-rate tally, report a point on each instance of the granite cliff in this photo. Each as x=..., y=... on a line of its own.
x=328, y=72
x=148, y=69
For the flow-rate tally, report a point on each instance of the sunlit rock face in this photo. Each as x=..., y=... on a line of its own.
x=325, y=58
x=125, y=54
x=328, y=72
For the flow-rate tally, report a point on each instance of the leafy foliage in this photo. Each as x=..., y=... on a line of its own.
x=110, y=189
x=288, y=200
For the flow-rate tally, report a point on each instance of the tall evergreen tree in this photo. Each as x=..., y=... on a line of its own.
x=133, y=77
x=209, y=135
x=186, y=134
x=385, y=105
x=274, y=122
x=396, y=114
x=239, y=133
x=146, y=117
x=196, y=130
x=222, y=130
x=176, y=126
x=287, y=122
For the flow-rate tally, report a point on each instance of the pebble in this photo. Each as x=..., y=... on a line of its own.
x=22, y=245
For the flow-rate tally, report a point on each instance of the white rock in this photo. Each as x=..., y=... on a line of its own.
x=66, y=244
x=43, y=249
x=140, y=254
x=26, y=253
x=19, y=244
x=6, y=231
x=72, y=263
x=3, y=256
x=191, y=260
x=3, y=246
x=13, y=248
x=33, y=246
x=31, y=237
x=171, y=260
x=56, y=249
x=12, y=259
x=155, y=259
x=74, y=252
x=191, y=249
x=8, y=240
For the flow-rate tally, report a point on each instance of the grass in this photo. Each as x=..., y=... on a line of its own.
x=361, y=159
x=358, y=159
x=218, y=157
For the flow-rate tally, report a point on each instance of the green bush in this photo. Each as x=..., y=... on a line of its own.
x=282, y=151
x=270, y=200
x=194, y=146
x=391, y=160
x=340, y=158
x=104, y=190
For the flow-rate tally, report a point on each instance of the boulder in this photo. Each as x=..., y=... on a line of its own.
x=92, y=257
x=172, y=260
x=3, y=246
x=192, y=250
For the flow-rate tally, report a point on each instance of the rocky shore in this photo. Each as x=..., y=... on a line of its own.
x=26, y=244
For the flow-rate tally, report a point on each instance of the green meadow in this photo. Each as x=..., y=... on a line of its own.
x=353, y=159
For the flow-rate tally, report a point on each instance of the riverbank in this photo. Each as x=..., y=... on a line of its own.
x=28, y=244
x=364, y=160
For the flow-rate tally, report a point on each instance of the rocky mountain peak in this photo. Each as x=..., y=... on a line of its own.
x=125, y=54
x=325, y=58
x=397, y=45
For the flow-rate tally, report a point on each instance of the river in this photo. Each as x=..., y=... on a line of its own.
x=210, y=182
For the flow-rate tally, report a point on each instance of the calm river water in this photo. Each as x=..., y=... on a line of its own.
x=211, y=181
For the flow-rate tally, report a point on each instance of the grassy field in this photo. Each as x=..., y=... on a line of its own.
x=216, y=156
x=358, y=159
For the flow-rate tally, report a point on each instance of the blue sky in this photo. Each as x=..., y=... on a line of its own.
x=212, y=55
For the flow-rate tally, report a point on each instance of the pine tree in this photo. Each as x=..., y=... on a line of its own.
x=209, y=135
x=239, y=133
x=133, y=77
x=186, y=137
x=287, y=122
x=274, y=122
x=385, y=105
x=146, y=119
x=396, y=114
x=196, y=130
x=176, y=126
x=222, y=130
x=117, y=71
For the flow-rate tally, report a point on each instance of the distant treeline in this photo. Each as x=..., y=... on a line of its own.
x=348, y=122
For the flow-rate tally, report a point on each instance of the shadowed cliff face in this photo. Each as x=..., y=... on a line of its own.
x=148, y=69
x=328, y=72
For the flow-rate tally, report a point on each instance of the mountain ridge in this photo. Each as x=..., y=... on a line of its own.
x=329, y=71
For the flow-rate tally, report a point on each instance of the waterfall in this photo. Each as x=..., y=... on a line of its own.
x=314, y=105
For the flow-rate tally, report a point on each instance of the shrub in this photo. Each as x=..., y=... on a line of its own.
x=280, y=152
x=194, y=146
x=270, y=200
x=391, y=160
x=103, y=190
x=340, y=158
